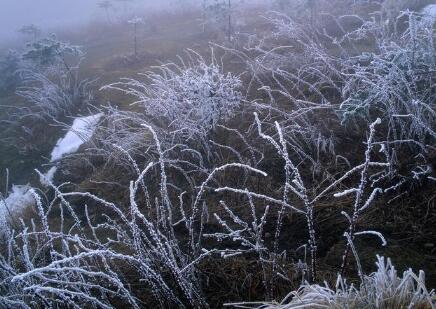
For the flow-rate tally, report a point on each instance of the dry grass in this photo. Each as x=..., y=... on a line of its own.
x=383, y=289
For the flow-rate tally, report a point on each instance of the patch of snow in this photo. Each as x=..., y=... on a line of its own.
x=19, y=199
x=46, y=178
x=81, y=131
x=430, y=10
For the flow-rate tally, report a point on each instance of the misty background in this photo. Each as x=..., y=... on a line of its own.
x=49, y=15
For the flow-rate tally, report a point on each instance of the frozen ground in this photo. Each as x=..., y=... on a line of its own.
x=20, y=197
x=80, y=132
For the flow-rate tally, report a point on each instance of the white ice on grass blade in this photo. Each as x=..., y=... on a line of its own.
x=81, y=131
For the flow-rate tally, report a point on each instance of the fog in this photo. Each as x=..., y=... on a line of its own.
x=51, y=14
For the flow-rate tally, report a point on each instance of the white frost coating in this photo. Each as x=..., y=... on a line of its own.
x=19, y=199
x=80, y=132
x=346, y=192
x=48, y=177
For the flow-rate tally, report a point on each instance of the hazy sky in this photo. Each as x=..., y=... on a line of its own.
x=44, y=13
x=53, y=13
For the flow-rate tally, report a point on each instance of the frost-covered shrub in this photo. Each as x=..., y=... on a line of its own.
x=42, y=267
x=49, y=55
x=120, y=139
x=46, y=74
x=158, y=237
x=54, y=95
x=45, y=56
x=50, y=82
x=294, y=62
x=298, y=80
x=91, y=256
x=189, y=99
x=395, y=81
x=296, y=195
x=304, y=69
x=381, y=289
